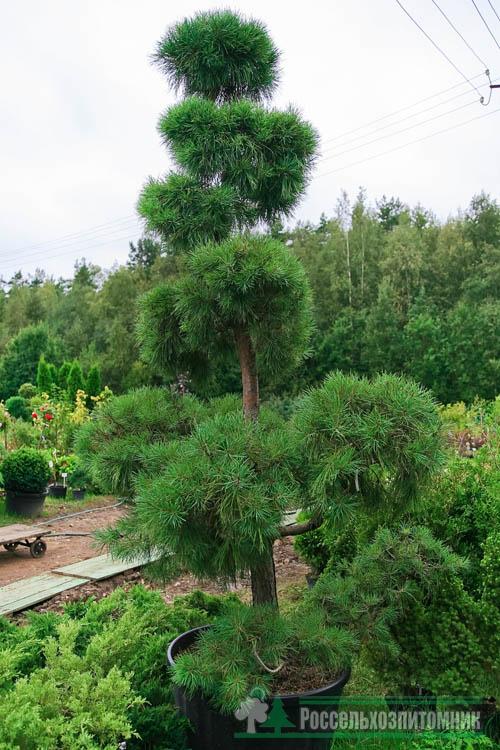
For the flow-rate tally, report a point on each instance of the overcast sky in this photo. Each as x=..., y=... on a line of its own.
x=80, y=102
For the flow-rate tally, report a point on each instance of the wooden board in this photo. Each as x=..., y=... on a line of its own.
x=98, y=568
x=23, y=531
x=30, y=591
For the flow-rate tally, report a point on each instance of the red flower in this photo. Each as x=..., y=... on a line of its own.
x=48, y=416
x=34, y=415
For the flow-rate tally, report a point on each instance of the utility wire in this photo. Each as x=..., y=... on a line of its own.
x=494, y=9
x=14, y=266
x=403, y=130
x=91, y=230
x=403, y=109
x=410, y=143
x=464, y=40
x=104, y=234
x=485, y=23
x=398, y=132
x=403, y=119
x=436, y=46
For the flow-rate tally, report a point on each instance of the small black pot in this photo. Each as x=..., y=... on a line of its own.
x=57, y=490
x=78, y=494
x=211, y=729
x=24, y=503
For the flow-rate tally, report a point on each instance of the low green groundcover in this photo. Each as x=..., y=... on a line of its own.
x=96, y=674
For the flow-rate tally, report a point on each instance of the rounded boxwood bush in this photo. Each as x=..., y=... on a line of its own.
x=18, y=408
x=25, y=470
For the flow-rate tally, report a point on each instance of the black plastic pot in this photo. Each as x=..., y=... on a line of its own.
x=24, y=503
x=57, y=490
x=210, y=729
x=78, y=494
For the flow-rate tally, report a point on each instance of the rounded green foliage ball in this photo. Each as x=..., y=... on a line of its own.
x=25, y=470
x=251, y=285
x=18, y=408
x=220, y=55
x=187, y=213
x=375, y=442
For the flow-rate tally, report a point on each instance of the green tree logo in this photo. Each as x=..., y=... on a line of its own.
x=277, y=718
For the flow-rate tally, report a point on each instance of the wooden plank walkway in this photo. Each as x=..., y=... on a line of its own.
x=30, y=591
x=99, y=568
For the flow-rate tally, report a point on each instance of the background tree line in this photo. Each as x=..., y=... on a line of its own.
x=394, y=290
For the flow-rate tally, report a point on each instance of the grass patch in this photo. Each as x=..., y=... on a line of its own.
x=56, y=506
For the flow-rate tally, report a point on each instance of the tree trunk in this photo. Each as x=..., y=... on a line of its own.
x=362, y=266
x=264, y=582
x=263, y=576
x=348, y=258
x=249, y=377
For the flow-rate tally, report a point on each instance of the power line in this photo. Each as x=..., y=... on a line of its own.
x=404, y=119
x=397, y=132
x=91, y=230
x=403, y=109
x=485, y=23
x=13, y=266
x=103, y=233
x=436, y=46
x=410, y=143
x=464, y=40
x=494, y=9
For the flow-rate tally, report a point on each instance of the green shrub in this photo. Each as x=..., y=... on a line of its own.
x=97, y=673
x=18, y=408
x=440, y=645
x=25, y=470
x=462, y=507
x=326, y=546
x=78, y=478
x=22, y=435
x=27, y=391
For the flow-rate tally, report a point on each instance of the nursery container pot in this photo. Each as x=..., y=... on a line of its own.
x=78, y=494
x=24, y=503
x=211, y=729
x=57, y=490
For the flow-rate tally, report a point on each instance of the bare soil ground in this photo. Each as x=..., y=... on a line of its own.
x=60, y=550
x=290, y=573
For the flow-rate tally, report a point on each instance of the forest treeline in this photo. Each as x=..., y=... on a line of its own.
x=394, y=289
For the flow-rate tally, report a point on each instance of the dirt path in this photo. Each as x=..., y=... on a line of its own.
x=290, y=573
x=60, y=550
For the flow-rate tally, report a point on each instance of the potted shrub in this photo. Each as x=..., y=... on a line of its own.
x=61, y=466
x=78, y=481
x=25, y=476
x=216, y=503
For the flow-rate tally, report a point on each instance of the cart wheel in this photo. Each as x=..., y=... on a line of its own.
x=10, y=546
x=38, y=548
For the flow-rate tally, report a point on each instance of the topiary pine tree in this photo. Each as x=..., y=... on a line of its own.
x=240, y=163
x=223, y=493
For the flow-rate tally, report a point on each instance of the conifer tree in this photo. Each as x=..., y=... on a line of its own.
x=93, y=381
x=43, y=376
x=62, y=375
x=223, y=493
x=75, y=380
x=239, y=164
